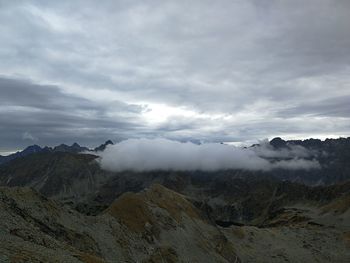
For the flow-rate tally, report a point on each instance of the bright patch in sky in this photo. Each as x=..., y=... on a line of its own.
x=157, y=113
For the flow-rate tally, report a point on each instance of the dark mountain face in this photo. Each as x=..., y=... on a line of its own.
x=278, y=143
x=27, y=151
x=102, y=147
x=55, y=174
x=332, y=154
x=74, y=148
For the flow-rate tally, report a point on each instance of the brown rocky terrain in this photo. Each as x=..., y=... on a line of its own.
x=152, y=226
x=160, y=225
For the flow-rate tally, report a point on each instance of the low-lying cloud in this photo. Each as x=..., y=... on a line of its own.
x=161, y=154
x=265, y=150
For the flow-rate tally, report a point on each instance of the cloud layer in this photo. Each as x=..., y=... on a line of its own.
x=162, y=154
x=230, y=71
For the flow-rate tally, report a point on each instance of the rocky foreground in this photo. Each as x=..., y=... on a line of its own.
x=160, y=225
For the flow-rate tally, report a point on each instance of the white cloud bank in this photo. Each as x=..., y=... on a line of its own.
x=267, y=151
x=161, y=154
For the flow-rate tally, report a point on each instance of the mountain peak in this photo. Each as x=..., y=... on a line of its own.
x=74, y=148
x=103, y=146
x=33, y=148
x=108, y=142
x=278, y=142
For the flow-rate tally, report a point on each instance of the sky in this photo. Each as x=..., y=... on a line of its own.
x=225, y=71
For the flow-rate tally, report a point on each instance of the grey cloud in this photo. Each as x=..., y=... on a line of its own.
x=45, y=114
x=161, y=154
x=173, y=46
x=330, y=107
x=277, y=67
x=28, y=136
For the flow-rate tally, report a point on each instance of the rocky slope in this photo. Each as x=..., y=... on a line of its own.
x=62, y=175
x=157, y=225
x=160, y=225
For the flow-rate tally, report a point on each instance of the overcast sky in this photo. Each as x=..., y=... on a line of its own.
x=233, y=71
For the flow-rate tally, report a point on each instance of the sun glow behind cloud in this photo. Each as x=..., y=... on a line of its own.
x=157, y=113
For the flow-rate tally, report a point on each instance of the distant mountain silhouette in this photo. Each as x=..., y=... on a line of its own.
x=74, y=148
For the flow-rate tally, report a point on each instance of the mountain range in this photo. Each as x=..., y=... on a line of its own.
x=74, y=148
x=58, y=205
